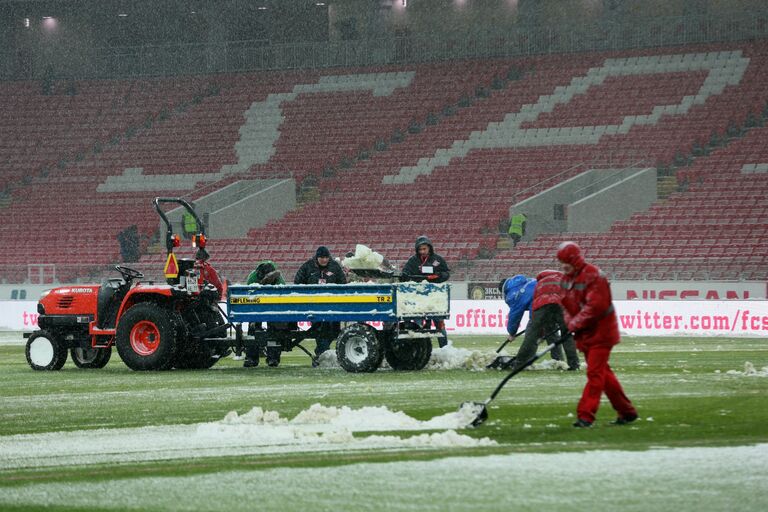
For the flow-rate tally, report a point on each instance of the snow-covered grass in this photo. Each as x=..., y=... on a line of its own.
x=295, y=437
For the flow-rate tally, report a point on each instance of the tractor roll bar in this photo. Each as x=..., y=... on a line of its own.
x=169, y=228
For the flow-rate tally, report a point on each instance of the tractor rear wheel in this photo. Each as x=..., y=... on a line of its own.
x=90, y=358
x=146, y=337
x=358, y=350
x=45, y=351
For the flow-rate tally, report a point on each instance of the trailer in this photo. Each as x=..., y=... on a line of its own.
x=407, y=315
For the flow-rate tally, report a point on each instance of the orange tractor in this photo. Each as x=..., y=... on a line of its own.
x=154, y=326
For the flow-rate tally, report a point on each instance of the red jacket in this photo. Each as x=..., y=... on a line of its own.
x=208, y=273
x=549, y=289
x=588, y=308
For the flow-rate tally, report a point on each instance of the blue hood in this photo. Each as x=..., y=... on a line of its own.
x=514, y=286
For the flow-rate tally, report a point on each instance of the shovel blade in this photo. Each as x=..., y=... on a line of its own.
x=478, y=410
x=502, y=363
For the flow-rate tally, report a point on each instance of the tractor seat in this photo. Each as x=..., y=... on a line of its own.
x=108, y=301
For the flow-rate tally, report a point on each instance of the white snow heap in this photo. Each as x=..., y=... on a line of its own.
x=450, y=358
x=364, y=258
x=417, y=299
x=750, y=371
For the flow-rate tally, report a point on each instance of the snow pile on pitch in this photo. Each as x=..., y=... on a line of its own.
x=317, y=429
x=320, y=418
x=328, y=359
x=452, y=358
x=364, y=258
x=549, y=364
x=750, y=371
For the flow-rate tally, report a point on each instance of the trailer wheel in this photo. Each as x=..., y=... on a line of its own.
x=408, y=354
x=90, y=358
x=146, y=337
x=358, y=350
x=45, y=351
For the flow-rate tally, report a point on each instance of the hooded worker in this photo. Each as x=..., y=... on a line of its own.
x=265, y=273
x=425, y=264
x=589, y=314
x=541, y=298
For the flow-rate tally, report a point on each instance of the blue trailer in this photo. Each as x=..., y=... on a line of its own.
x=406, y=311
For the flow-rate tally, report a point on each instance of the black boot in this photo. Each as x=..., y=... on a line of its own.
x=251, y=357
x=273, y=356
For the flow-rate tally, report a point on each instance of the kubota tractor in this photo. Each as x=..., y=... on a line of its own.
x=154, y=326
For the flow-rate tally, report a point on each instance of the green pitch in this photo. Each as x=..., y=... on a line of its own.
x=682, y=387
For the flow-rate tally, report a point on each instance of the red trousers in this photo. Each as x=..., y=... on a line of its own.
x=601, y=379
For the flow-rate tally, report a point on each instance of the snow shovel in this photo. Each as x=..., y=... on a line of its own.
x=482, y=407
x=498, y=362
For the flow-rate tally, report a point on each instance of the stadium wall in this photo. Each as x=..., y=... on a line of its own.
x=233, y=210
x=593, y=200
x=636, y=318
x=598, y=211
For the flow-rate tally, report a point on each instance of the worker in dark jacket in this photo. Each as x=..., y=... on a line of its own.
x=266, y=273
x=322, y=269
x=426, y=265
x=541, y=297
x=589, y=314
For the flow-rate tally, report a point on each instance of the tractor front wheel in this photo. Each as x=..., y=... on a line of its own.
x=90, y=358
x=146, y=337
x=45, y=351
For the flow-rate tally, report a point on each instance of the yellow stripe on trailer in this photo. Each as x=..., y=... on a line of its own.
x=311, y=299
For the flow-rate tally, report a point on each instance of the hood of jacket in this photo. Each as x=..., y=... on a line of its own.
x=570, y=253
x=514, y=285
x=421, y=241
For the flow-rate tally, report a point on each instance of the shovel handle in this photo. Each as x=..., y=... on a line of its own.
x=508, y=340
x=525, y=365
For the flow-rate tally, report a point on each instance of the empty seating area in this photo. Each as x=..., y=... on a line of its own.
x=717, y=229
x=453, y=181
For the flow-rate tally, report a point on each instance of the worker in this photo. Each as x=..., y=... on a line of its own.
x=590, y=315
x=322, y=269
x=188, y=224
x=541, y=297
x=517, y=224
x=266, y=273
x=426, y=265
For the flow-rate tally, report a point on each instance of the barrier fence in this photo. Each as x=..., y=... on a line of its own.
x=240, y=56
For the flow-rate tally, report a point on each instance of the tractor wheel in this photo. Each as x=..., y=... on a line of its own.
x=408, y=354
x=45, y=351
x=194, y=355
x=146, y=337
x=90, y=358
x=358, y=350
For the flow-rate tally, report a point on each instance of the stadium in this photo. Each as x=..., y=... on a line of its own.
x=187, y=141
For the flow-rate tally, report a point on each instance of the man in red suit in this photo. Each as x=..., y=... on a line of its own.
x=589, y=314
